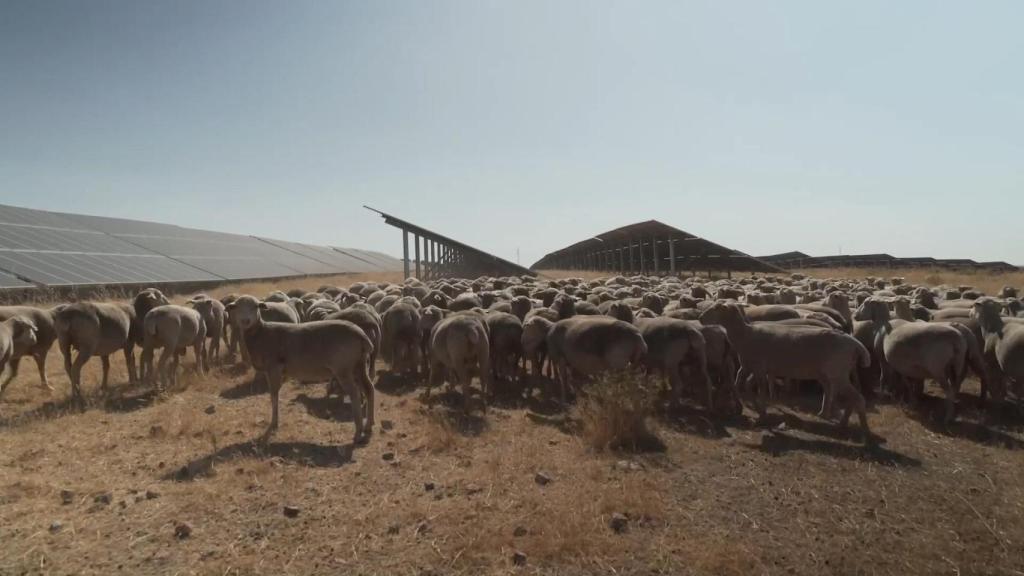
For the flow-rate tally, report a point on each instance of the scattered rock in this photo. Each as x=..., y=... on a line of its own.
x=151, y=495
x=387, y=425
x=422, y=528
x=67, y=497
x=56, y=526
x=628, y=466
x=619, y=522
x=542, y=478
x=552, y=442
x=291, y=511
x=428, y=486
x=210, y=409
x=157, y=431
x=518, y=558
x=393, y=529
x=182, y=530
x=388, y=456
x=520, y=531
x=104, y=498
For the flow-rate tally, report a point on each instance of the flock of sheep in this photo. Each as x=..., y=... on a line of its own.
x=711, y=338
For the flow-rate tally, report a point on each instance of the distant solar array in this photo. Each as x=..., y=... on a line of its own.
x=41, y=248
x=801, y=260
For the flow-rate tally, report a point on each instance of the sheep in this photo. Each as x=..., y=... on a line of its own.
x=368, y=323
x=1004, y=345
x=321, y=309
x=93, y=329
x=798, y=353
x=620, y=311
x=18, y=335
x=672, y=343
x=459, y=346
x=918, y=351
x=334, y=350
x=45, y=334
x=505, y=333
x=214, y=316
x=399, y=338
x=144, y=301
x=534, y=342
x=589, y=345
x=172, y=328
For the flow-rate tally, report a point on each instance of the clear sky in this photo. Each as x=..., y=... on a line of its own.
x=864, y=126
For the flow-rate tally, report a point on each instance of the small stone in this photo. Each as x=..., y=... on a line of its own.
x=520, y=531
x=393, y=529
x=157, y=431
x=182, y=530
x=210, y=409
x=422, y=528
x=388, y=456
x=618, y=523
x=104, y=498
x=151, y=495
x=428, y=486
x=67, y=497
x=291, y=511
x=387, y=425
x=542, y=478
x=56, y=526
x=552, y=442
x=518, y=558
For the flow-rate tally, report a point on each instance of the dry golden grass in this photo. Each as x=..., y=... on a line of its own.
x=724, y=497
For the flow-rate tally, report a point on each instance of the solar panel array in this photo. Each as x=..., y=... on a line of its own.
x=56, y=249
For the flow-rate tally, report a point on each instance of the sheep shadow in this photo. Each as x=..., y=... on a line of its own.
x=302, y=453
x=699, y=421
x=778, y=444
x=929, y=413
x=255, y=387
x=394, y=384
x=468, y=425
x=125, y=403
x=325, y=407
x=121, y=398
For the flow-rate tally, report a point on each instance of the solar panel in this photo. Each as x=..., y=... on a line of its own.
x=10, y=281
x=62, y=249
x=376, y=260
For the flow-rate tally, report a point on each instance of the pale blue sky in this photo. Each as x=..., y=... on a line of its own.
x=765, y=126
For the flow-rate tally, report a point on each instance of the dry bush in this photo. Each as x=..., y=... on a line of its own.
x=615, y=411
x=440, y=434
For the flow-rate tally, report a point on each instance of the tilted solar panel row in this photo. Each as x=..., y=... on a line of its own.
x=59, y=249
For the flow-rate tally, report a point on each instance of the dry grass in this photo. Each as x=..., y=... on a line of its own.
x=724, y=497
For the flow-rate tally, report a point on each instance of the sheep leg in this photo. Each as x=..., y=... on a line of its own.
x=75, y=373
x=13, y=363
x=827, y=398
x=202, y=361
x=161, y=367
x=105, y=361
x=950, y=389
x=129, y=360
x=273, y=376
x=363, y=376
x=146, y=365
x=41, y=365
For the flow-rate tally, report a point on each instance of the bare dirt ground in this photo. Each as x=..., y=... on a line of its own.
x=434, y=493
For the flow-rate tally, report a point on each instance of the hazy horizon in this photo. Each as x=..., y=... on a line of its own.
x=526, y=126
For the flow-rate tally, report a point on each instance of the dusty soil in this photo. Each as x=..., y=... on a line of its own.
x=436, y=493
